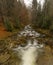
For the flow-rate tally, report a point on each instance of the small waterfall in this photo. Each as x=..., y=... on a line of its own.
x=29, y=53
x=30, y=56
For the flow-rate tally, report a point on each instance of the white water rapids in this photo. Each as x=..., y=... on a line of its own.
x=29, y=53
x=30, y=56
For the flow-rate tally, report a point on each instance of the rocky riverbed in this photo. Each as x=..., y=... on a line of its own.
x=24, y=42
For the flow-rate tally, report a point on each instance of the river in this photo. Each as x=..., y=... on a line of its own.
x=33, y=53
x=30, y=52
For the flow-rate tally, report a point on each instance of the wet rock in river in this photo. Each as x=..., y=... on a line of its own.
x=42, y=36
x=23, y=45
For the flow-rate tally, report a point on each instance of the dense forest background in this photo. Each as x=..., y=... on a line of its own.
x=44, y=16
x=15, y=15
x=12, y=14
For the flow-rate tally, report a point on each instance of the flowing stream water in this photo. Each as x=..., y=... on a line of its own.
x=23, y=48
x=29, y=53
x=29, y=57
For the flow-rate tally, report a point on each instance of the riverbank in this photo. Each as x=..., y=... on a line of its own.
x=46, y=37
x=44, y=31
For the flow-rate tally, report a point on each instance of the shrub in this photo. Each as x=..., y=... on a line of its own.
x=46, y=23
x=51, y=27
x=16, y=23
x=8, y=25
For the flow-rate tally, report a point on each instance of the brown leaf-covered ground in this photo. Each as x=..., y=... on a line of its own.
x=3, y=32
